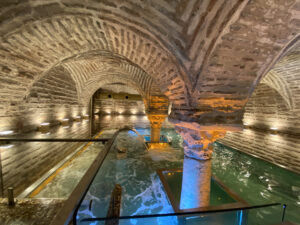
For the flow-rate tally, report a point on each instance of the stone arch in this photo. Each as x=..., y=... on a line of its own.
x=268, y=109
x=284, y=76
x=275, y=81
x=92, y=85
x=48, y=40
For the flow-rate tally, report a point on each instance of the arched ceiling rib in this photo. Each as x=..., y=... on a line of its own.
x=92, y=71
x=287, y=71
x=85, y=68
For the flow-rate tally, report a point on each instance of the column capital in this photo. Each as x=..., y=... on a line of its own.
x=198, y=139
x=155, y=119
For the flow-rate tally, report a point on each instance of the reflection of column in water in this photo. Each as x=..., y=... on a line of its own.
x=195, y=190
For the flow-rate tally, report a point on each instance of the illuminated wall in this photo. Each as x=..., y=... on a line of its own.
x=23, y=163
x=273, y=132
x=109, y=102
x=50, y=99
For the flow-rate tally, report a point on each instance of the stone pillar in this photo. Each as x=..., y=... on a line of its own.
x=195, y=189
x=198, y=148
x=196, y=178
x=156, y=121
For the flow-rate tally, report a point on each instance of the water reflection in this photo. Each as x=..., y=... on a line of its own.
x=257, y=181
x=118, y=121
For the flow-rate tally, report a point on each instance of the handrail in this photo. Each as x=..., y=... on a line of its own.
x=70, y=207
x=183, y=213
x=53, y=139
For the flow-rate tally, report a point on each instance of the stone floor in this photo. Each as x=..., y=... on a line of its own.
x=29, y=211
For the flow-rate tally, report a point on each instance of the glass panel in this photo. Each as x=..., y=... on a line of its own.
x=40, y=166
x=132, y=166
x=258, y=216
x=266, y=215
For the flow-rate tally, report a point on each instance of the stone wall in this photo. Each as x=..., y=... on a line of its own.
x=50, y=99
x=273, y=132
x=118, y=103
x=267, y=110
x=279, y=149
x=24, y=163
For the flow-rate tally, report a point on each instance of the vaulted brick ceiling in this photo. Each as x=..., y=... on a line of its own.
x=205, y=56
x=276, y=100
x=285, y=78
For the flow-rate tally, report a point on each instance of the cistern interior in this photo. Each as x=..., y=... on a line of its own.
x=142, y=112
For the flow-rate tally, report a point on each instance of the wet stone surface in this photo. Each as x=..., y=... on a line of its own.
x=29, y=211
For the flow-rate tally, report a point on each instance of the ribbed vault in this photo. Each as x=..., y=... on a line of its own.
x=276, y=100
x=39, y=46
x=206, y=56
x=284, y=77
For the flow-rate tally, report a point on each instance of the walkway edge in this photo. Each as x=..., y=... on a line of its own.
x=65, y=215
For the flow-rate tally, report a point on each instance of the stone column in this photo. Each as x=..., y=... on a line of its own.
x=196, y=178
x=198, y=148
x=156, y=121
x=195, y=188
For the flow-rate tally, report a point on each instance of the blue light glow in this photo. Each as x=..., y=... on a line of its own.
x=241, y=217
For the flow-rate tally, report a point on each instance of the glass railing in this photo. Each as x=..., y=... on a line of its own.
x=253, y=215
x=142, y=198
x=90, y=169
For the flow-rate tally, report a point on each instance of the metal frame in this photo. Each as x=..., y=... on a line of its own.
x=186, y=213
x=5, y=140
x=1, y=178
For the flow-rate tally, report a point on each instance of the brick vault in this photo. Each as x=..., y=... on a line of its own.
x=205, y=57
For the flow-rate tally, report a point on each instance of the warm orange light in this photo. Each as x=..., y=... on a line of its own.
x=157, y=145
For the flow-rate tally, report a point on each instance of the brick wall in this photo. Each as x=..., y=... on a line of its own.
x=52, y=98
x=278, y=149
x=267, y=109
x=24, y=163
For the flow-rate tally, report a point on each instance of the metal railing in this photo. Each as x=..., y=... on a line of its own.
x=187, y=213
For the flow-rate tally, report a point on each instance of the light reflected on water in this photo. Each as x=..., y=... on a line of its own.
x=257, y=181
